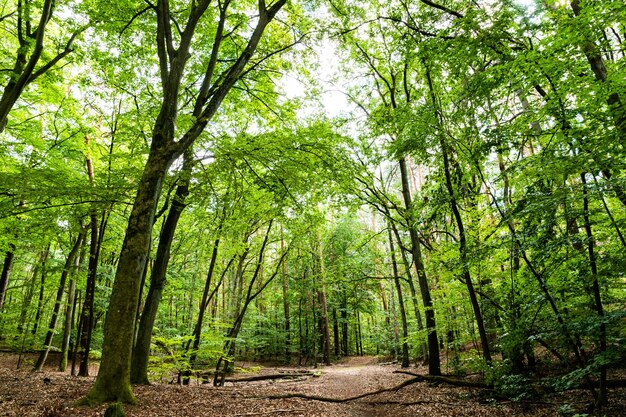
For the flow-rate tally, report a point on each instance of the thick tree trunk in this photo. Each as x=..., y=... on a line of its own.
x=113, y=381
x=434, y=367
x=141, y=350
x=57, y=303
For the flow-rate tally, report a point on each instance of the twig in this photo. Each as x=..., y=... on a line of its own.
x=289, y=410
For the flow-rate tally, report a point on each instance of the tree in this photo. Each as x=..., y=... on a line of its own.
x=113, y=381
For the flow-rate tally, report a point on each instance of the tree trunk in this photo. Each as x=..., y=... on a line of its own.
x=158, y=277
x=322, y=296
x=70, y=310
x=434, y=367
x=416, y=311
x=206, y=298
x=87, y=313
x=6, y=273
x=59, y=299
x=113, y=381
x=484, y=341
x=44, y=272
x=344, y=325
x=285, y=287
x=396, y=279
x=30, y=288
x=602, y=397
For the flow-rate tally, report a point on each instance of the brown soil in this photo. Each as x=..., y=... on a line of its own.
x=24, y=393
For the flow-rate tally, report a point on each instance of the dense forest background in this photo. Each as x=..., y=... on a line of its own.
x=439, y=182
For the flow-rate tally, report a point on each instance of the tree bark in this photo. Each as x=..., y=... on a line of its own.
x=158, y=277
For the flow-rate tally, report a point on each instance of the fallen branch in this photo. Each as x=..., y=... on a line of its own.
x=446, y=380
x=290, y=410
x=271, y=377
x=409, y=403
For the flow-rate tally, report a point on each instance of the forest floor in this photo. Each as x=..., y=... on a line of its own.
x=53, y=394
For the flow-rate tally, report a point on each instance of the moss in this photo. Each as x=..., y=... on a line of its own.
x=100, y=394
x=115, y=410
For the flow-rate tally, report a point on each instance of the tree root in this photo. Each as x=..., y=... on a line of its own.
x=447, y=380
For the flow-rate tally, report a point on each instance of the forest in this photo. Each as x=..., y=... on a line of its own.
x=436, y=184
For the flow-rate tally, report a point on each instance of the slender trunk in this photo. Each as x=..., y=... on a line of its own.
x=6, y=273
x=79, y=330
x=396, y=280
x=602, y=394
x=344, y=325
x=30, y=289
x=57, y=303
x=44, y=273
x=434, y=367
x=335, y=332
x=285, y=288
x=484, y=341
x=416, y=311
x=70, y=310
x=141, y=350
x=206, y=298
x=88, y=301
x=322, y=295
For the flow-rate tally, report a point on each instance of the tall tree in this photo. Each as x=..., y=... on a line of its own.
x=113, y=381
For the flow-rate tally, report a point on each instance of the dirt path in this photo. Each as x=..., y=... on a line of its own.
x=51, y=394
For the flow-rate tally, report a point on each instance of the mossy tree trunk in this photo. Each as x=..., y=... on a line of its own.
x=141, y=350
x=113, y=381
